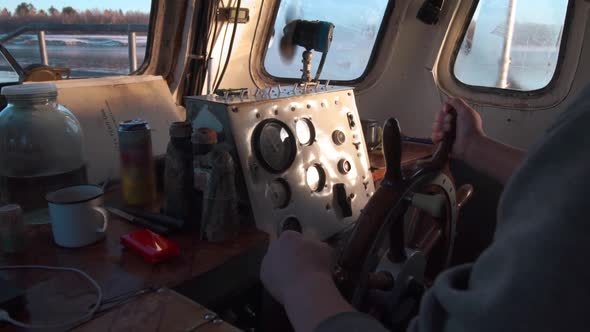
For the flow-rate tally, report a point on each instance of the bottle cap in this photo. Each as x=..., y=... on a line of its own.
x=135, y=124
x=30, y=90
x=205, y=136
x=181, y=129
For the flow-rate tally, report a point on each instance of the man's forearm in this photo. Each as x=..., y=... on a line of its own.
x=493, y=158
x=310, y=303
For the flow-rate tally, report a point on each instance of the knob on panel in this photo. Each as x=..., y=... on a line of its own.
x=338, y=137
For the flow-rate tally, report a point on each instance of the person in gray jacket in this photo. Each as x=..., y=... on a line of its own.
x=535, y=276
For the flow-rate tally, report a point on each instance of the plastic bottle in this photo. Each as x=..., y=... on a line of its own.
x=220, y=220
x=203, y=139
x=178, y=174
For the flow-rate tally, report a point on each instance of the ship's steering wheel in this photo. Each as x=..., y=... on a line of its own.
x=404, y=236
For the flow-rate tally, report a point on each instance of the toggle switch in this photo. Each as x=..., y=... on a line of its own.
x=351, y=122
x=343, y=200
x=434, y=205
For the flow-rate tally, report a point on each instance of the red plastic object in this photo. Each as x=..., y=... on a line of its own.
x=151, y=246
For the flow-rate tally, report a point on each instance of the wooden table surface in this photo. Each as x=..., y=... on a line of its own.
x=55, y=297
x=162, y=310
x=52, y=297
x=411, y=152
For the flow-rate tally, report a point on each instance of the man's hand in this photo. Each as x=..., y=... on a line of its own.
x=469, y=126
x=471, y=143
x=292, y=262
x=298, y=274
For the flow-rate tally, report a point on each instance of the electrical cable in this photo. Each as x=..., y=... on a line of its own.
x=216, y=78
x=254, y=39
x=231, y=45
x=4, y=316
x=213, y=37
x=198, y=71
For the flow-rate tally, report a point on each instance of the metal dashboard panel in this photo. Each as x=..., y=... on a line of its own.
x=328, y=109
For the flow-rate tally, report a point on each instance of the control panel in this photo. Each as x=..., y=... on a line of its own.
x=304, y=164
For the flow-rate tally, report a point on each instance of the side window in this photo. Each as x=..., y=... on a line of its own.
x=509, y=45
x=7, y=72
x=357, y=25
x=85, y=38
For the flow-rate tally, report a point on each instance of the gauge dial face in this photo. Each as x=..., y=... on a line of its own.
x=305, y=131
x=279, y=193
x=316, y=178
x=274, y=145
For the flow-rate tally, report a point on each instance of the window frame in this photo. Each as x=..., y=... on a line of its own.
x=508, y=92
x=147, y=59
x=141, y=69
x=383, y=28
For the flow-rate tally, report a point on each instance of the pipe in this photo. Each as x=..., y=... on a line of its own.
x=132, y=52
x=42, y=47
x=505, y=61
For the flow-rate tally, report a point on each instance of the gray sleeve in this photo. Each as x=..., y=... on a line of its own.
x=534, y=277
x=350, y=322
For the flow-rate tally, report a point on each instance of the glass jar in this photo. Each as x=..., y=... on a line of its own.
x=40, y=146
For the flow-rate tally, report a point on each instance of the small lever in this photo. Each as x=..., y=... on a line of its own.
x=392, y=151
x=343, y=200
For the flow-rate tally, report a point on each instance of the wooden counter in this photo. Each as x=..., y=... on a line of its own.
x=411, y=152
x=55, y=297
x=162, y=310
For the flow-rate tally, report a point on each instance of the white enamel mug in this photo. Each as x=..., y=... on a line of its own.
x=77, y=216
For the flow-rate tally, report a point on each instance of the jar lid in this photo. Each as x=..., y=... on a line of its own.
x=10, y=210
x=205, y=136
x=181, y=129
x=30, y=90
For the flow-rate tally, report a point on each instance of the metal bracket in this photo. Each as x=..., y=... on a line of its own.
x=229, y=15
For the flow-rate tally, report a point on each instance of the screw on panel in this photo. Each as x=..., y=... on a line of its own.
x=235, y=110
x=258, y=115
x=293, y=108
x=323, y=104
x=350, y=93
x=276, y=112
x=352, y=196
x=308, y=106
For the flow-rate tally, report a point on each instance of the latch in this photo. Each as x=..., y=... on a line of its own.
x=228, y=14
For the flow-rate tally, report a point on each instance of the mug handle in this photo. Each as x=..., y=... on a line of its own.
x=105, y=215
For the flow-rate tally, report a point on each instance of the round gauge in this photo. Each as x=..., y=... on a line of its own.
x=305, y=131
x=344, y=166
x=316, y=178
x=274, y=145
x=279, y=193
